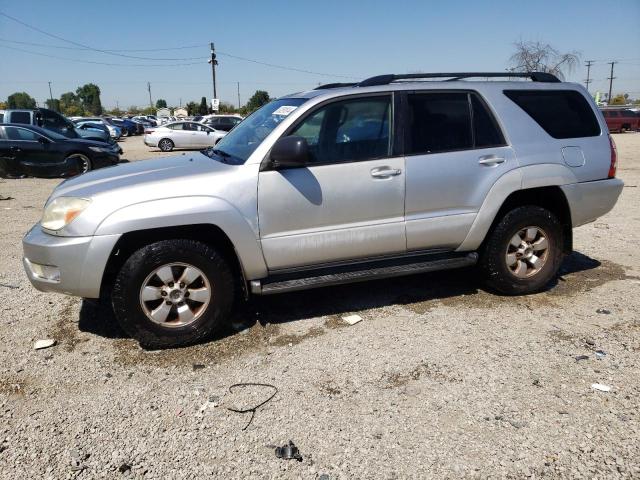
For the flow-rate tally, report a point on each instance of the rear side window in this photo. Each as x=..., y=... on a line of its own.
x=444, y=122
x=21, y=117
x=561, y=113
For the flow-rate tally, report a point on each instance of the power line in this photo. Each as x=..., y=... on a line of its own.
x=34, y=44
x=102, y=63
x=273, y=65
x=588, y=80
x=610, y=78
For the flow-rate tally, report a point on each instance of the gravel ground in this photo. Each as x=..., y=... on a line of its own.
x=439, y=380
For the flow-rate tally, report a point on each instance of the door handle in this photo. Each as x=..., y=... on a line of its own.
x=490, y=160
x=385, y=172
x=15, y=149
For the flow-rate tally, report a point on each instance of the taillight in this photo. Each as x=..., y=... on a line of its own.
x=614, y=158
x=148, y=132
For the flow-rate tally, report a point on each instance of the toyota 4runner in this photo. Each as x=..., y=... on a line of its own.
x=395, y=175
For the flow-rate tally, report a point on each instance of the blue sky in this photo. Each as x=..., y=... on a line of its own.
x=348, y=38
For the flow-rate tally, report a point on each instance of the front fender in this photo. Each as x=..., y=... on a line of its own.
x=532, y=176
x=173, y=212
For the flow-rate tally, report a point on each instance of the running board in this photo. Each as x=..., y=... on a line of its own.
x=324, y=279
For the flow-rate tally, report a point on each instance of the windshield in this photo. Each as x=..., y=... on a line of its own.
x=242, y=141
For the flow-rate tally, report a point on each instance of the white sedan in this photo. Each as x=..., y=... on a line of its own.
x=189, y=135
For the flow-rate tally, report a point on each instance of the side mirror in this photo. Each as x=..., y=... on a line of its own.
x=289, y=152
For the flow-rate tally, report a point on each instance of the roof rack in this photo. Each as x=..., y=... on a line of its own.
x=387, y=79
x=335, y=85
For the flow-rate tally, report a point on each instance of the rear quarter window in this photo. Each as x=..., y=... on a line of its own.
x=21, y=117
x=561, y=113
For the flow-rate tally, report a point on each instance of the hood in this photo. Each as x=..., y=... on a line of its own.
x=86, y=142
x=162, y=175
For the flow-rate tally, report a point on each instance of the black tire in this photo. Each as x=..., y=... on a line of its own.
x=126, y=300
x=124, y=133
x=83, y=162
x=166, y=145
x=493, y=261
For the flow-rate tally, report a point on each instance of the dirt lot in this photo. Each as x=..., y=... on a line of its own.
x=440, y=379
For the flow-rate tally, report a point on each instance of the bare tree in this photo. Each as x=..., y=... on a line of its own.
x=542, y=57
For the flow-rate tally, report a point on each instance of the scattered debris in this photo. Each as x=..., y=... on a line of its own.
x=6, y=285
x=198, y=366
x=352, y=319
x=603, y=311
x=601, y=353
x=252, y=409
x=77, y=459
x=2, y=197
x=125, y=467
x=581, y=357
x=40, y=344
x=289, y=452
x=600, y=387
x=537, y=383
x=590, y=341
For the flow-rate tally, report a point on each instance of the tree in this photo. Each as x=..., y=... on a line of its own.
x=3, y=105
x=89, y=94
x=192, y=108
x=133, y=110
x=618, y=100
x=148, y=111
x=116, y=112
x=70, y=105
x=161, y=103
x=53, y=104
x=226, y=107
x=204, y=108
x=21, y=100
x=258, y=99
x=542, y=57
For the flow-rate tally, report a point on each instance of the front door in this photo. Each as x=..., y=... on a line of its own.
x=455, y=152
x=33, y=152
x=348, y=202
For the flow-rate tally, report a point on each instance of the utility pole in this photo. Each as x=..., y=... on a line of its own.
x=238, y=95
x=50, y=94
x=213, y=63
x=610, y=78
x=588, y=80
x=149, y=88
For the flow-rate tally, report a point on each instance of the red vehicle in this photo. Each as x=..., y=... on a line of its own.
x=620, y=119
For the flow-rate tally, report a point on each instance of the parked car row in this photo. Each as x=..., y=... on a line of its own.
x=43, y=143
x=620, y=119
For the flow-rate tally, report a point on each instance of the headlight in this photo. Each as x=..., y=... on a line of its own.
x=100, y=149
x=62, y=211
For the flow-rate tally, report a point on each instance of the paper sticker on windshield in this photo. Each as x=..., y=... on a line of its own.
x=284, y=110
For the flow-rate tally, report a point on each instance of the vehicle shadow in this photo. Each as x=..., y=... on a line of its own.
x=411, y=291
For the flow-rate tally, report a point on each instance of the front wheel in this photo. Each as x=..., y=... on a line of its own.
x=173, y=293
x=523, y=253
x=81, y=161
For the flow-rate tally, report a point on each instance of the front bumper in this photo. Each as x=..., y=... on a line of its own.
x=79, y=261
x=591, y=200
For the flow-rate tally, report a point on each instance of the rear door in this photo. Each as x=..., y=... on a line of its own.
x=454, y=153
x=202, y=136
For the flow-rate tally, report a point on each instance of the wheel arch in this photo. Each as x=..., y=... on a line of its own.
x=209, y=234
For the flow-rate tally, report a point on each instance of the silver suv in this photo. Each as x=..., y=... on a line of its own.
x=395, y=175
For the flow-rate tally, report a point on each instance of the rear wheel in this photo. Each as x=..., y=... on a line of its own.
x=165, y=145
x=173, y=293
x=523, y=252
x=125, y=132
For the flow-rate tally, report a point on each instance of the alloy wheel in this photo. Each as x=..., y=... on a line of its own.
x=527, y=252
x=175, y=295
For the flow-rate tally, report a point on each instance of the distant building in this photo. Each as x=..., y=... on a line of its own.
x=180, y=112
x=163, y=113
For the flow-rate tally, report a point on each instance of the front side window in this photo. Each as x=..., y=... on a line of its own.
x=15, y=133
x=349, y=130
